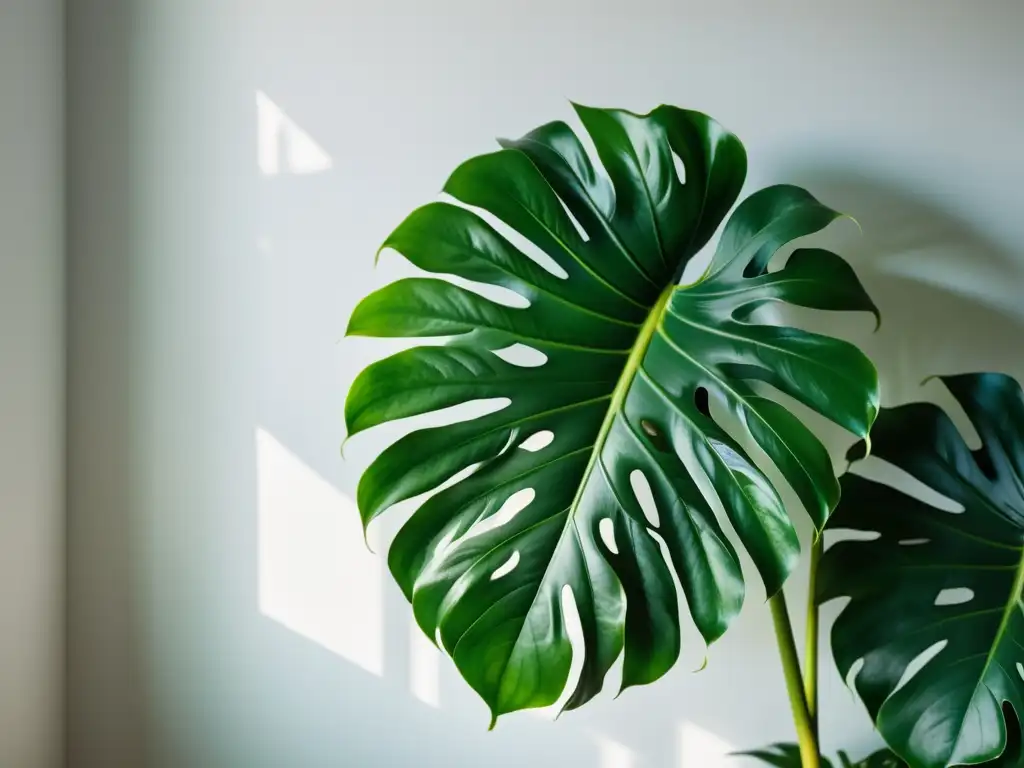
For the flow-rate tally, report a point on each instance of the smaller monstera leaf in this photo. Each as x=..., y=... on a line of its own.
x=951, y=711
x=788, y=756
x=631, y=362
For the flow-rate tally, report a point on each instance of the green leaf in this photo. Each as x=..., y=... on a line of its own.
x=632, y=364
x=780, y=756
x=950, y=711
x=788, y=756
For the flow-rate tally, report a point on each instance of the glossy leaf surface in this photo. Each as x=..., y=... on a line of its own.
x=936, y=580
x=632, y=362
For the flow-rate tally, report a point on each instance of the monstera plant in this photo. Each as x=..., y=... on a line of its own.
x=940, y=579
x=632, y=404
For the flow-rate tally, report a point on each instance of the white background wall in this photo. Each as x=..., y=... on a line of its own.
x=222, y=601
x=31, y=384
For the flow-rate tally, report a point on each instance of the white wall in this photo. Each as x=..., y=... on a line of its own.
x=31, y=384
x=222, y=601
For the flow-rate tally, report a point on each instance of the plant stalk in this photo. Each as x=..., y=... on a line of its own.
x=806, y=738
x=811, y=648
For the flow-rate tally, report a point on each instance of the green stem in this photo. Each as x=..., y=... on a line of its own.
x=811, y=648
x=809, y=755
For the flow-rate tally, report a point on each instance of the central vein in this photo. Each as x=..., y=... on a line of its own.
x=636, y=356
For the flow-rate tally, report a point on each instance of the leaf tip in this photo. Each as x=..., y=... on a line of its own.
x=580, y=109
x=352, y=329
x=856, y=223
x=355, y=423
x=366, y=540
x=365, y=518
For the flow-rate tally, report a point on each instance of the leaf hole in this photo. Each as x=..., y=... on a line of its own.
x=455, y=414
x=654, y=434
x=511, y=507
x=509, y=442
x=680, y=167
x=944, y=398
x=702, y=401
x=602, y=191
x=1020, y=670
x=538, y=441
x=444, y=542
x=606, y=529
x=954, y=596
x=579, y=228
x=913, y=542
x=521, y=355
x=886, y=473
x=919, y=663
x=851, y=675
x=574, y=631
x=525, y=246
x=507, y=567
x=835, y=535
x=984, y=461
x=645, y=497
x=499, y=294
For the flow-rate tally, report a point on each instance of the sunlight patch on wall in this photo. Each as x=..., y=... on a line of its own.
x=424, y=667
x=612, y=754
x=699, y=748
x=316, y=576
x=282, y=146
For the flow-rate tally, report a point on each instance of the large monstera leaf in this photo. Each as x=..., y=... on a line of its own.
x=632, y=363
x=902, y=583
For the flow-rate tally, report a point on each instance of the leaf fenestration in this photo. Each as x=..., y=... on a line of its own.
x=633, y=361
x=952, y=711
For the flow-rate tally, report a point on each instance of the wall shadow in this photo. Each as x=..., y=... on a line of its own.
x=105, y=692
x=949, y=296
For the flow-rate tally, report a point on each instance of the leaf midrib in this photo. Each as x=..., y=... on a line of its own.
x=598, y=213
x=577, y=259
x=618, y=397
x=629, y=371
x=650, y=203
x=1014, y=604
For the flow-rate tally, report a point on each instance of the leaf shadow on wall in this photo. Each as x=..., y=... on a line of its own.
x=948, y=295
